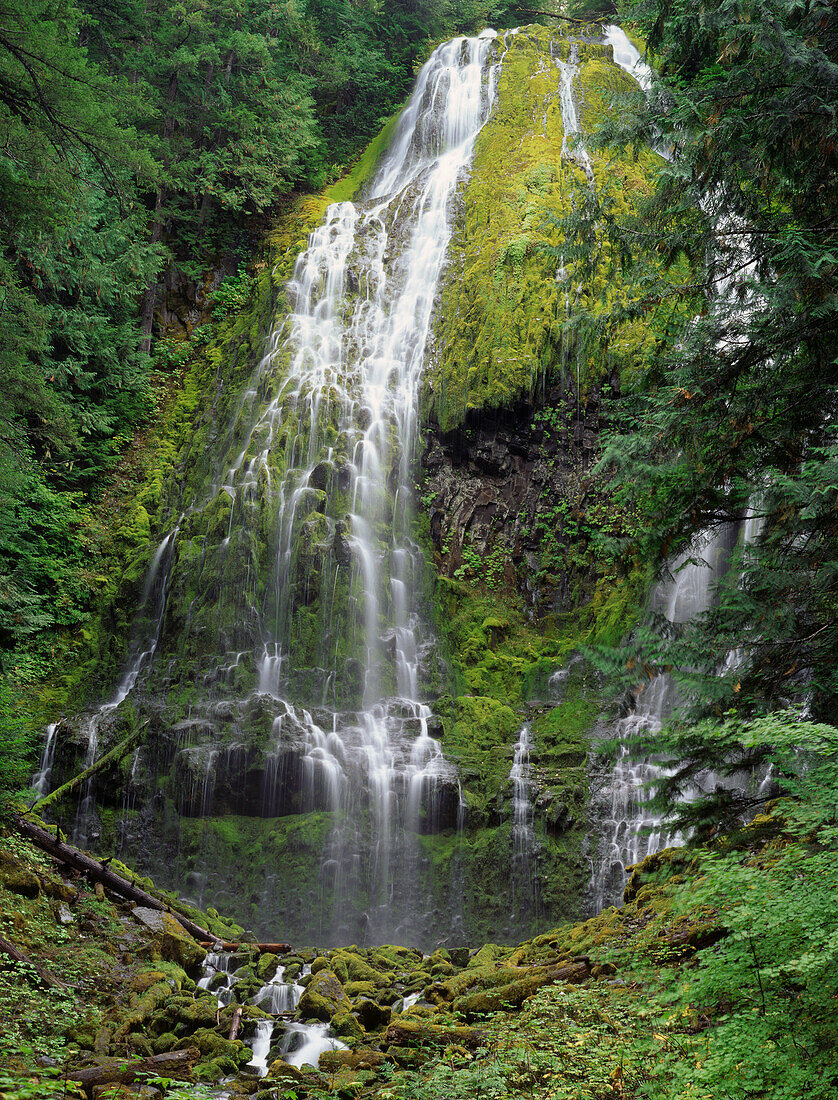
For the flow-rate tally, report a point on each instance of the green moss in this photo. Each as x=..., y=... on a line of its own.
x=501, y=329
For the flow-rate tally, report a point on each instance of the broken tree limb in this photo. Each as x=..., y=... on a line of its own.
x=66, y=853
x=231, y=945
x=110, y=757
x=612, y=18
x=176, y=1063
x=237, y=1019
x=8, y=948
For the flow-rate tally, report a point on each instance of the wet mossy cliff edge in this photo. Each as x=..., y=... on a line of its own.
x=510, y=513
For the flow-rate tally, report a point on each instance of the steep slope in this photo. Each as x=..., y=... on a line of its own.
x=337, y=741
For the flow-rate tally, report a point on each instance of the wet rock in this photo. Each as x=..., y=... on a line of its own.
x=371, y=1014
x=324, y=996
x=17, y=877
x=266, y=966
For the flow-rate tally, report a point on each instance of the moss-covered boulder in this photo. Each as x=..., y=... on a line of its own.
x=210, y=1043
x=346, y=1026
x=324, y=996
x=371, y=1014
x=406, y=1032
x=17, y=877
x=266, y=966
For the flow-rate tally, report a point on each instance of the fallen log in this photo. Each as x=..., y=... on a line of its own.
x=8, y=948
x=73, y=857
x=229, y=945
x=110, y=757
x=234, y=1026
x=175, y=1063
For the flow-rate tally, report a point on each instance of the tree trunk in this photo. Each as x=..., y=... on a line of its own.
x=110, y=757
x=176, y=1063
x=100, y=873
x=234, y=1026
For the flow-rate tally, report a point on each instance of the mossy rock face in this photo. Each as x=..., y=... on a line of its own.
x=323, y=997
x=17, y=878
x=266, y=966
x=372, y=1015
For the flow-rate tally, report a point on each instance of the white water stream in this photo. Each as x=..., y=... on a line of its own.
x=629, y=829
x=364, y=291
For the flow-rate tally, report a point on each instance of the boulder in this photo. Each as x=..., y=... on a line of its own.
x=371, y=1014
x=171, y=938
x=266, y=966
x=406, y=1032
x=323, y=997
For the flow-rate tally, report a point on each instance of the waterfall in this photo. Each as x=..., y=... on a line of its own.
x=525, y=885
x=570, y=121
x=629, y=830
x=298, y=620
x=363, y=294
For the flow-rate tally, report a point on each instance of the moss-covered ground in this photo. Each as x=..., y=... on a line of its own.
x=565, y=1014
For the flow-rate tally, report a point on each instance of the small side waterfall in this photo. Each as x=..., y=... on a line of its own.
x=524, y=879
x=575, y=151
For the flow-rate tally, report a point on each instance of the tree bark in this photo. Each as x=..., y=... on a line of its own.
x=110, y=757
x=176, y=1063
x=230, y=945
x=234, y=1026
x=100, y=873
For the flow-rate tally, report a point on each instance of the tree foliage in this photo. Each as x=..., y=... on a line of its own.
x=767, y=989
x=730, y=413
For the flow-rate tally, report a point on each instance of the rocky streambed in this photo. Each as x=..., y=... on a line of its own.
x=122, y=999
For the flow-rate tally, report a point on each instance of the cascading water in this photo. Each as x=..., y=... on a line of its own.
x=524, y=880
x=629, y=831
x=363, y=293
x=306, y=599
x=575, y=151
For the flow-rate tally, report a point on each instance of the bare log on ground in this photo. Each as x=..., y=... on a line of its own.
x=66, y=853
x=234, y=1026
x=8, y=948
x=176, y=1063
x=230, y=945
x=110, y=757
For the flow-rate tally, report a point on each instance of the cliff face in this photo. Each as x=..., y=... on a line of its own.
x=269, y=604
